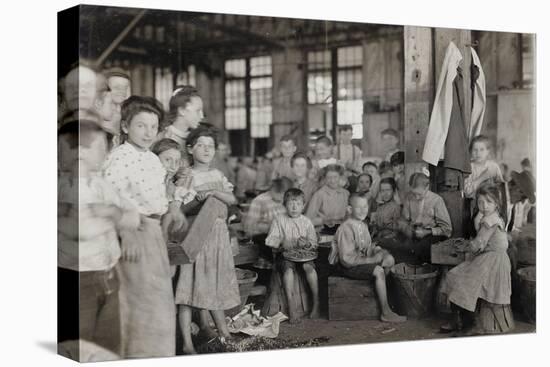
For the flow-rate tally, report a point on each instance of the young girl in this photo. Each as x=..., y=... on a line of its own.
x=169, y=153
x=146, y=298
x=328, y=206
x=209, y=282
x=484, y=170
x=488, y=275
x=185, y=113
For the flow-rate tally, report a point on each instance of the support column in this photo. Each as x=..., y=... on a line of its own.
x=419, y=90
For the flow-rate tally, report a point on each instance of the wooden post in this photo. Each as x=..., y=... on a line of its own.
x=419, y=90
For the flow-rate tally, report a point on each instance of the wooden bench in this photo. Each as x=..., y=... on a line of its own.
x=350, y=299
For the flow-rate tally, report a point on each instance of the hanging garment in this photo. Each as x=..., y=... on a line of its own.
x=457, y=154
x=479, y=99
x=443, y=104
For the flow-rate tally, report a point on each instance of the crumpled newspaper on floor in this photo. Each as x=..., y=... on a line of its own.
x=249, y=321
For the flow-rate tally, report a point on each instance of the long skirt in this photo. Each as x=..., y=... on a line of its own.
x=147, y=309
x=487, y=276
x=210, y=282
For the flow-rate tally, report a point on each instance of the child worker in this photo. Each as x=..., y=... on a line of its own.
x=425, y=219
x=487, y=276
x=209, y=282
x=301, y=165
x=355, y=256
x=146, y=296
x=323, y=156
x=282, y=166
x=390, y=140
x=345, y=152
x=184, y=114
x=263, y=209
x=328, y=206
x=484, y=170
x=289, y=231
x=89, y=248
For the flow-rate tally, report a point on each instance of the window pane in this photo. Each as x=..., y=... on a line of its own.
x=235, y=68
x=349, y=84
x=318, y=60
x=260, y=65
x=235, y=118
x=260, y=91
x=350, y=56
x=235, y=93
x=260, y=120
x=350, y=112
x=319, y=87
x=319, y=119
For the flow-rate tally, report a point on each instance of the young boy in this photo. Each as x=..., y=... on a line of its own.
x=301, y=164
x=80, y=87
x=390, y=138
x=323, y=156
x=354, y=255
x=281, y=166
x=293, y=230
x=119, y=84
x=329, y=204
x=397, y=162
x=265, y=207
x=347, y=153
x=221, y=161
x=425, y=219
x=372, y=169
x=89, y=249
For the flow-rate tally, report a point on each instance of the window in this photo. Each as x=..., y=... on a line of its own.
x=350, y=90
x=335, y=71
x=164, y=82
x=248, y=107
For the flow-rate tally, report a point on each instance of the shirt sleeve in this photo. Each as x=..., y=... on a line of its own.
x=311, y=234
x=314, y=206
x=276, y=235
x=442, y=220
x=347, y=252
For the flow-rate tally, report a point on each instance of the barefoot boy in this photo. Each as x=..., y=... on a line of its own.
x=355, y=256
x=293, y=230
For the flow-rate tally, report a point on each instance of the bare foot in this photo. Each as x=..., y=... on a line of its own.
x=294, y=320
x=209, y=333
x=391, y=316
x=189, y=350
x=314, y=314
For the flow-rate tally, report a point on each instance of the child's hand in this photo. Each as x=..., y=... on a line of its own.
x=131, y=249
x=422, y=232
x=203, y=195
